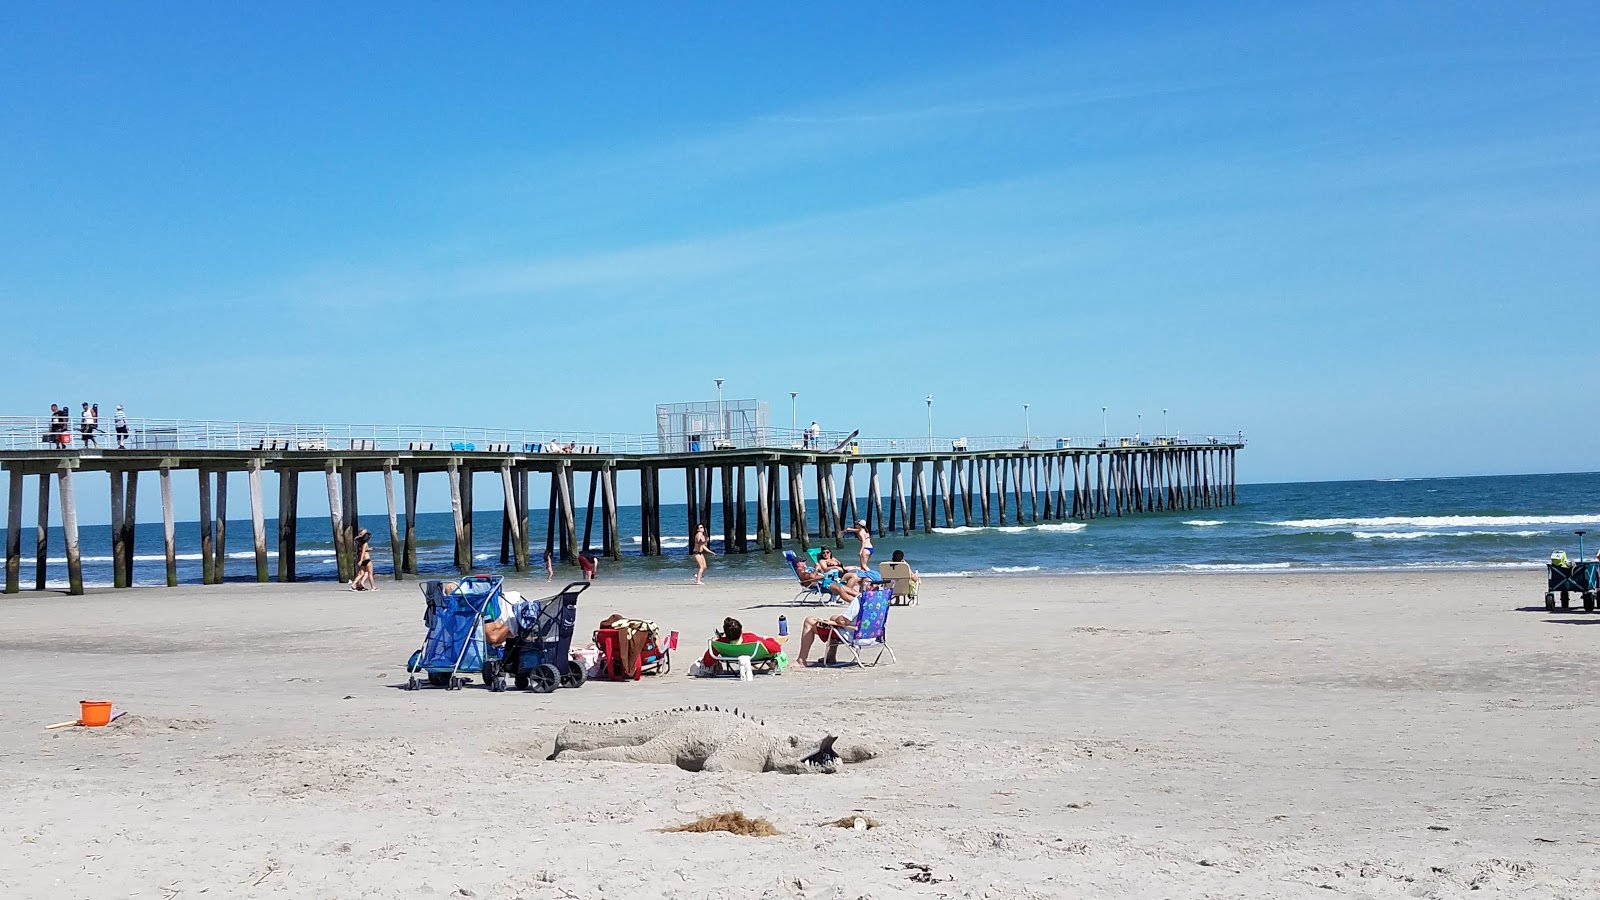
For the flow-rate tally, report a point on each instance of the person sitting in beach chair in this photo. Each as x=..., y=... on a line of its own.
x=900, y=576
x=862, y=626
x=733, y=643
x=814, y=581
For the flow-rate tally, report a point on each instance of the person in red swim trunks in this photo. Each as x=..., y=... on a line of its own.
x=733, y=633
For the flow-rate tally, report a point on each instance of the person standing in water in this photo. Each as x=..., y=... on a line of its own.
x=699, y=546
x=861, y=533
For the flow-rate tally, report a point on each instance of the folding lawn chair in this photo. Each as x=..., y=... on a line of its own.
x=726, y=656
x=871, y=628
x=816, y=590
x=898, y=575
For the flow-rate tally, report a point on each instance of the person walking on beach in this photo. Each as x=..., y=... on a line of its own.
x=363, y=580
x=120, y=421
x=861, y=533
x=88, y=421
x=699, y=546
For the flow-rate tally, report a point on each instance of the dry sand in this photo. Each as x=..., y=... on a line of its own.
x=1375, y=735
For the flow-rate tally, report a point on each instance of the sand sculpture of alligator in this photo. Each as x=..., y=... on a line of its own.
x=705, y=739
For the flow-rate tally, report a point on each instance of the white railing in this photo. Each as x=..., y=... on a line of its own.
x=35, y=433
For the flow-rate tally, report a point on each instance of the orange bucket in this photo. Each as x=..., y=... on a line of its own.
x=95, y=712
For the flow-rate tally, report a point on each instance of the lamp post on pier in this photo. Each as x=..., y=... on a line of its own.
x=794, y=423
x=722, y=413
x=930, y=423
x=1163, y=423
x=1105, y=429
x=1138, y=426
x=1027, y=427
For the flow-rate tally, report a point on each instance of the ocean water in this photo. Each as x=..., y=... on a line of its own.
x=1432, y=523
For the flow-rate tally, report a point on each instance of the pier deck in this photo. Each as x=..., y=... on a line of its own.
x=931, y=482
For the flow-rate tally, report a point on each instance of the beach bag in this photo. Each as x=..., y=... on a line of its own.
x=1558, y=558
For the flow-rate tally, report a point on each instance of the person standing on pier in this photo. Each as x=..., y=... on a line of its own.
x=699, y=546
x=812, y=435
x=120, y=421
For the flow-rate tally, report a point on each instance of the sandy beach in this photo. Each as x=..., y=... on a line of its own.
x=1372, y=735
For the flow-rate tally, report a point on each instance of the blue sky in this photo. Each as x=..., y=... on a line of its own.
x=1362, y=233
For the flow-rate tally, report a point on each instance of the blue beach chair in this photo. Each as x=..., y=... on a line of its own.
x=455, y=641
x=818, y=590
x=871, y=628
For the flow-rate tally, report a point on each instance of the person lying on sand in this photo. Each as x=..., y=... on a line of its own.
x=818, y=627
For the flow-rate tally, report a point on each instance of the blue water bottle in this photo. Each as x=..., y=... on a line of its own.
x=783, y=626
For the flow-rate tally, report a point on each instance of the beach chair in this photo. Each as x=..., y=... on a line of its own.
x=812, y=590
x=725, y=657
x=871, y=628
x=898, y=576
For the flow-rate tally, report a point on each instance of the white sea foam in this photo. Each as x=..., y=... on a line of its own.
x=1058, y=527
x=1438, y=522
x=1234, y=567
x=1414, y=535
x=1205, y=523
x=1013, y=569
x=948, y=574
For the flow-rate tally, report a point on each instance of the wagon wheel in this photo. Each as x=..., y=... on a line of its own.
x=545, y=678
x=521, y=680
x=411, y=684
x=439, y=679
x=1588, y=601
x=574, y=677
x=1566, y=601
x=1550, y=601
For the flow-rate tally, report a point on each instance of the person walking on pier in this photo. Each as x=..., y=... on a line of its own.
x=120, y=422
x=699, y=546
x=56, y=436
x=88, y=423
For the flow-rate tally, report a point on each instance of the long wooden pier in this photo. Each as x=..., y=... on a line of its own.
x=905, y=490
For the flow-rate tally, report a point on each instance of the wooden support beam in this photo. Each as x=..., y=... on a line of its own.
x=763, y=509
x=42, y=535
x=881, y=525
x=945, y=492
x=219, y=553
x=775, y=503
x=343, y=563
x=895, y=515
x=69, y=532
x=204, y=478
x=168, y=528
x=463, y=555
x=288, y=489
x=552, y=513
x=513, y=521
x=705, y=499
x=14, y=533
x=608, y=500
x=799, y=528
x=258, y=524
x=588, y=512
x=916, y=495
x=847, y=502
x=119, y=550
x=467, y=542
x=130, y=517
x=524, y=478
x=727, y=510
x=408, y=552
x=569, y=521
x=397, y=559
x=741, y=529
x=691, y=500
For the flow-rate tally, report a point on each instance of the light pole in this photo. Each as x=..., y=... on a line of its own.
x=1163, y=423
x=1105, y=429
x=1027, y=426
x=722, y=412
x=1138, y=425
x=793, y=423
x=930, y=423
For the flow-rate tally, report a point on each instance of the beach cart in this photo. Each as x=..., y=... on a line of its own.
x=455, y=615
x=1581, y=578
x=1566, y=578
x=538, y=656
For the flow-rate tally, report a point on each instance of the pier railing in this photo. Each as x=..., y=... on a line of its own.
x=36, y=433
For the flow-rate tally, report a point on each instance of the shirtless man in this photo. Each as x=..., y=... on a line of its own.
x=861, y=533
x=817, y=627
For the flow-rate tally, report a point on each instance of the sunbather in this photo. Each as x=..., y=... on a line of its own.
x=733, y=633
x=817, y=627
x=845, y=586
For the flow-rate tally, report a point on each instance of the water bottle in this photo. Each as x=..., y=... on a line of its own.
x=783, y=626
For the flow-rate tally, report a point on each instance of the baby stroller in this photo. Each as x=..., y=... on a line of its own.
x=455, y=641
x=538, y=654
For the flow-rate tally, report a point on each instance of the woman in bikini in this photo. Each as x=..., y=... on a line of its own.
x=699, y=546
